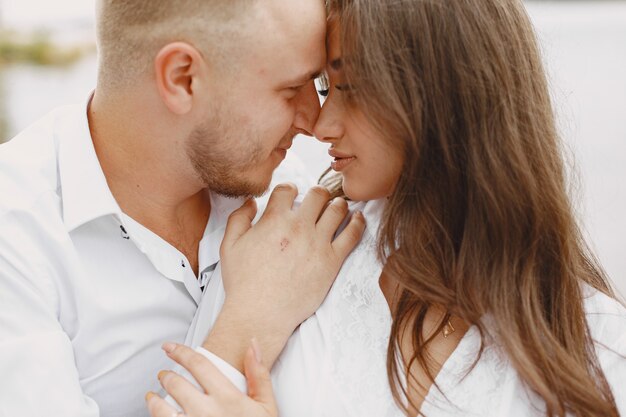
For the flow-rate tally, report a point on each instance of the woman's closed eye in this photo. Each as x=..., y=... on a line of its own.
x=344, y=87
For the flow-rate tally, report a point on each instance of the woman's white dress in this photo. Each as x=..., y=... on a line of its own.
x=334, y=365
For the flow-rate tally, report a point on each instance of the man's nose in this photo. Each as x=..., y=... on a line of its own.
x=307, y=109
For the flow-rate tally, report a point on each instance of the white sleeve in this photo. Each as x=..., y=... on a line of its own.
x=233, y=375
x=38, y=375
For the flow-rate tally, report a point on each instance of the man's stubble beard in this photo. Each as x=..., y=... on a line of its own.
x=220, y=165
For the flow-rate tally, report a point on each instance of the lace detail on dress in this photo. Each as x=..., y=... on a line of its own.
x=361, y=324
x=359, y=336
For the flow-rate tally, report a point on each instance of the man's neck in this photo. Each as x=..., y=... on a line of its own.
x=144, y=177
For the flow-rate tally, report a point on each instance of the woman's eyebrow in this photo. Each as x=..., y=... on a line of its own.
x=335, y=64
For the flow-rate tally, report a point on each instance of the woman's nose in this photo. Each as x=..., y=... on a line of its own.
x=328, y=126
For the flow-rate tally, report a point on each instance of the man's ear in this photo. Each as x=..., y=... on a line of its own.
x=176, y=66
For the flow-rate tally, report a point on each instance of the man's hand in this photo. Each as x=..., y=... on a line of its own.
x=277, y=272
x=218, y=396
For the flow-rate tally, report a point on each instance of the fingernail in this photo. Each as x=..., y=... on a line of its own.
x=161, y=375
x=257, y=350
x=169, y=347
x=149, y=396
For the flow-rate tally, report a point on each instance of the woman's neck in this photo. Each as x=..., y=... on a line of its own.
x=437, y=351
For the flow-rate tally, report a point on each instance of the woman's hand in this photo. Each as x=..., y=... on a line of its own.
x=277, y=272
x=219, y=397
x=290, y=256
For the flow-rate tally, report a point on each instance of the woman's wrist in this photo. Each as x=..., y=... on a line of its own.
x=238, y=323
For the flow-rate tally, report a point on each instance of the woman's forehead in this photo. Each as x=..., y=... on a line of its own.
x=333, y=40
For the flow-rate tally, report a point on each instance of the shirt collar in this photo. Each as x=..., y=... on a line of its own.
x=85, y=192
x=221, y=209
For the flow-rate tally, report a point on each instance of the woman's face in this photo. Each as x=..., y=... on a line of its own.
x=368, y=162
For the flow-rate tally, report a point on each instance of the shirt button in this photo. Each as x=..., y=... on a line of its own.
x=182, y=263
x=204, y=279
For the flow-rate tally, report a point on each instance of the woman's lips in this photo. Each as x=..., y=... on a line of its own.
x=339, y=164
x=341, y=160
x=337, y=154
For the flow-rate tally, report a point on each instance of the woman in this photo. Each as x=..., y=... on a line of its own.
x=486, y=299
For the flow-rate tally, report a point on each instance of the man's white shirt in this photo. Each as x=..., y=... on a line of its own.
x=87, y=294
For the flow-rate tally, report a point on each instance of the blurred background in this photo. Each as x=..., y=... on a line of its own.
x=48, y=58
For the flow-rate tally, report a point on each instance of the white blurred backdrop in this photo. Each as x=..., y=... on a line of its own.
x=584, y=44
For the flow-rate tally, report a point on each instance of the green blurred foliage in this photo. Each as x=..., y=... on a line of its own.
x=4, y=129
x=33, y=49
x=37, y=50
x=4, y=122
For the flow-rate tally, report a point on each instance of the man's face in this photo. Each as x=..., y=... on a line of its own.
x=254, y=112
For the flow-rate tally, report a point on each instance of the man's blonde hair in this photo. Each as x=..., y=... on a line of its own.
x=131, y=32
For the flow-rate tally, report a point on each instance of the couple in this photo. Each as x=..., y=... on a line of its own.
x=471, y=291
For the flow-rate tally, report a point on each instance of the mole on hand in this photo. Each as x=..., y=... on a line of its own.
x=283, y=244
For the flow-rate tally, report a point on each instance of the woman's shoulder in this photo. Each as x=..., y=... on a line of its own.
x=606, y=317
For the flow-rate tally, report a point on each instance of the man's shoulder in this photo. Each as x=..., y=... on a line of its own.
x=29, y=172
x=31, y=205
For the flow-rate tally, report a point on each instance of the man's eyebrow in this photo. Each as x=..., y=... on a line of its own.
x=306, y=78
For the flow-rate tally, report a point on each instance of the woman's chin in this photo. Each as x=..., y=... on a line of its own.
x=357, y=191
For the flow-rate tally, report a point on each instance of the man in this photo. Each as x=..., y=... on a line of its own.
x=113, y=213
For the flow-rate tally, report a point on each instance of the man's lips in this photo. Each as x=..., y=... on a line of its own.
x=285, y=146
x=282, y=150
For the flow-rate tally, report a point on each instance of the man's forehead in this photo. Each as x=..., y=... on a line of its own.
x=299, y=21
x=296, y=51
x=283, y=50
x=295, y=11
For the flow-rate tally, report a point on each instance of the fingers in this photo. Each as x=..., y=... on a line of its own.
x=187, y=395
x=239, y=222
x=282, y=197
x=258, y=377
x=314, y=202
x=350, y=236
x=158, y=407
x=205, y=373
x=332, y=218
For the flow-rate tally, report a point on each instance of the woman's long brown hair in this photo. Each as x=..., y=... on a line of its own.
x=480, y=221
